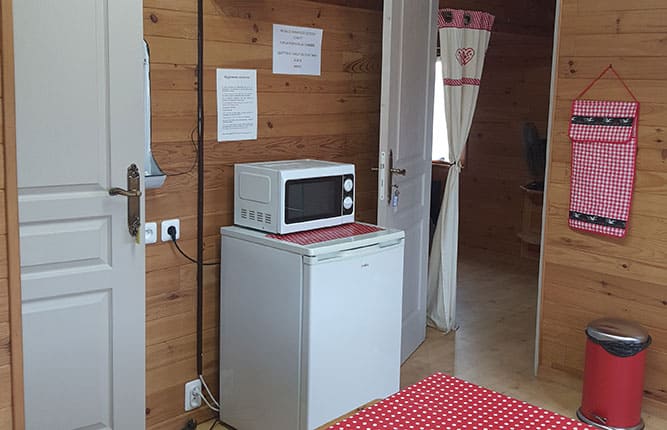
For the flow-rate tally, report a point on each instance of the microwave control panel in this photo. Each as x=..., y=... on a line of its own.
x=348, y=194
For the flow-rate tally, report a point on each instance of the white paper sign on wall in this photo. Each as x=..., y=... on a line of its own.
x=237, y=104
x=297, y=50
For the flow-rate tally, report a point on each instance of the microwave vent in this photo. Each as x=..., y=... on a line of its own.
x=260, y=217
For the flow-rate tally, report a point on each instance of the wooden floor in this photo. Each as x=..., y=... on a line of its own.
x=494, y=345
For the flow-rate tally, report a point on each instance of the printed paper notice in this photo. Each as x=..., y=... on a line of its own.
x=297, y=50
x=237, y=104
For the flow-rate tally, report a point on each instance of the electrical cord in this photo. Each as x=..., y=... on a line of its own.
x=201, y=378
x=222, y=423
x=200, y=186
x=213, y=408
x=171, y=231
x=194, y=162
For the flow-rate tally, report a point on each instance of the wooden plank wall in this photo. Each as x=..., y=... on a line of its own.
x=586, y=276
x=11, y=349
x=515, y=89
x=332, y=117
x=5, y=346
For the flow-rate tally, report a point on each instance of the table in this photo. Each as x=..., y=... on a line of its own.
x=443, y=402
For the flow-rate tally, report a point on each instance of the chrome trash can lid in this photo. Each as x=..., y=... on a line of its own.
x=617, y=329
x=619, y=337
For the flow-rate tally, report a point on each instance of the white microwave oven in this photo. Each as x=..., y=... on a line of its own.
x=294, y=195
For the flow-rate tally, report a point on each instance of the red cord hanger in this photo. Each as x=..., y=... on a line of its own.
x=609, y=67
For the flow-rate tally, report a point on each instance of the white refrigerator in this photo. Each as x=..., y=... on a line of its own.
x=308, y=332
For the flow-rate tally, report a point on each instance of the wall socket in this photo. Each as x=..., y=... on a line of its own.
x=150, y=230
x=176, y=223
x=192, y=394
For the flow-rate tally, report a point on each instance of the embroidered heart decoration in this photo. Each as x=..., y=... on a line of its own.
x=464, y=55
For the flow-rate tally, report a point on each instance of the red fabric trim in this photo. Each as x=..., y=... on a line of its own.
x=477, y=20
x=461, y=82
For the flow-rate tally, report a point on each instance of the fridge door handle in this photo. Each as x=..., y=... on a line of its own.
x=391, y=243
x=351, y=253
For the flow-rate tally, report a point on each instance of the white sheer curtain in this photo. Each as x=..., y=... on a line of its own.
x=464, y=38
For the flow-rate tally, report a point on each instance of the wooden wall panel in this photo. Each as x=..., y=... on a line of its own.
x=334, y=116
x=362, y=4
x=11, y=354
x=515, y=89
x=586, y=277
x=5, y=343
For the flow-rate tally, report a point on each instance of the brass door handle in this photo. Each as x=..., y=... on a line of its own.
x=400, y=172
x=133, y=194
x=115, y=191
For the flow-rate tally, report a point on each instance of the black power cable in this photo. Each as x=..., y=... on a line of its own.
x=171, y=231
x=194, y=160
x=224, y=424
x=200, y=182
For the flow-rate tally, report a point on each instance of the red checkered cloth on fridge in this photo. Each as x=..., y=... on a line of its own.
x=342, y=231
x=442, y=402
x=604, y=149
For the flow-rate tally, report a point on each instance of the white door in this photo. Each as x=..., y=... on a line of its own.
x=80, y=124
x=406, y=118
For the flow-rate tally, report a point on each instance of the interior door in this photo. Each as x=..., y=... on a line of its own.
x=80, y=124
x=406, y=119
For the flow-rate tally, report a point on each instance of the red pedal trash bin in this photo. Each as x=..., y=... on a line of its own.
x=614, y=374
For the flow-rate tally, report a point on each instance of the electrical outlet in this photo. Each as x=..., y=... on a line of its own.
x=192, y=394
x=150, y=230
x=176, y=223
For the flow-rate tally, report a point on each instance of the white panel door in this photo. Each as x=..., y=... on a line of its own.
x=80, y=124
x=406, y=118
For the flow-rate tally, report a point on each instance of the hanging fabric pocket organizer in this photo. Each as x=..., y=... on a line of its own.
x=604, y=149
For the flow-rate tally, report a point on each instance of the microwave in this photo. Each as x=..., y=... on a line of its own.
x=294, y=195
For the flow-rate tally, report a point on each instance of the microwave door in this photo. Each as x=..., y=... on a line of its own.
x=312, y=199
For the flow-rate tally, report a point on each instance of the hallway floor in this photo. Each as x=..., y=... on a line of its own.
x=494, y=345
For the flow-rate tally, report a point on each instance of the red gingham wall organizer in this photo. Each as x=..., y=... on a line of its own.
x=604, y=149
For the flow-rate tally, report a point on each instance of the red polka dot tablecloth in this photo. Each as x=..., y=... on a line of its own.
x=443, y=402
x=325, y=234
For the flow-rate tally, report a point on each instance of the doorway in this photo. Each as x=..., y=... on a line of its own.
x=499, y=219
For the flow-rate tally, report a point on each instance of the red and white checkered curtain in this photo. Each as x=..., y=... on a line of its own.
x=464, y=38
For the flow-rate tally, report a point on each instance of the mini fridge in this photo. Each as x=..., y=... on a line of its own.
x=310, y=324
